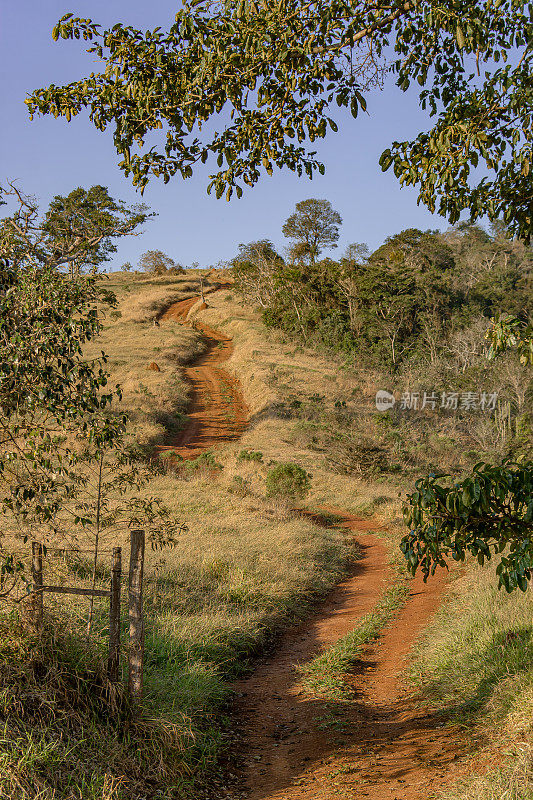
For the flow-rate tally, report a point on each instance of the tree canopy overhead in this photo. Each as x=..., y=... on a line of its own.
x=269, y=73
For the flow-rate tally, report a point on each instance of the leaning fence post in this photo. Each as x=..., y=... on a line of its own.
x=37, y=578
x=113, y=660
x=136, y=650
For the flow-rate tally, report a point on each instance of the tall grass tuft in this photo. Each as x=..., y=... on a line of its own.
x=475, y=664
x=66, y=732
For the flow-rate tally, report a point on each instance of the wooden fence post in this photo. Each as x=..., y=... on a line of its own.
x=136, y=650
x=114, y=617
x=37, y=578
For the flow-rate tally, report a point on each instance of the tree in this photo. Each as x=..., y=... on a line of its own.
x=355, y=257
x=48, y=391
x=510, y=333
x=313, y=226
x=277, y=71
x=261, y=249
x=356, y=252
x=488, y=514
x=55, y=417
x=256, y=269
x=157, y=263
x=82, y=227
x=76, y=233
x=300, y=253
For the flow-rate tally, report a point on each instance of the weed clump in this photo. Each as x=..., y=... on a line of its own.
x=251, y=455
x=67, y=732
x=287, y=480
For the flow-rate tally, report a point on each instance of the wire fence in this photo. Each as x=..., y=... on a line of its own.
x=93, y=592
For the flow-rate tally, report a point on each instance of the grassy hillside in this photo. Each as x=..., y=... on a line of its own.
x=474, y=662
x=155, y=401
x=246, y=567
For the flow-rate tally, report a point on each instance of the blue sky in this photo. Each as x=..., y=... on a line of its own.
x=49, y=156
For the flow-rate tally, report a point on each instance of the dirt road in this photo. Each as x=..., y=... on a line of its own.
x=217, y=411
x=382, y=745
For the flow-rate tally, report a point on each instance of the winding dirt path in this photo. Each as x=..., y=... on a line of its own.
x=382, y=745
x=217, y=411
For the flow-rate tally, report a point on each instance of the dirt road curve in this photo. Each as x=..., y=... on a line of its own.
x=383, y=746
x=218, y=412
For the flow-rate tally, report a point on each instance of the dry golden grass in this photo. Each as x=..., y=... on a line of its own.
x=155, y=401
x=247, y=565
x=144, y=297
x=244, y=559
x=150, y=302
x=246, y=562
x=271, y=370
x=243, y=569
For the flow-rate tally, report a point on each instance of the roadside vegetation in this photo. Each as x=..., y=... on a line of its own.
x=213, y=602
x=408, y=319
x=411, y=319
x=326, y=674
x=363, y=460
x=245, y=565
x=473, y=664
x=240, y=570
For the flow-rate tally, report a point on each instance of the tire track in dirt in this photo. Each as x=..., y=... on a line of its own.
x=384, y=745
x=217, y=411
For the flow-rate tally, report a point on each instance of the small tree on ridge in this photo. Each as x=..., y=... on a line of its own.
x=157, y=262
x=313, y=226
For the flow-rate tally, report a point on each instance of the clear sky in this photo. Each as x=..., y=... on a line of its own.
x=49, y=156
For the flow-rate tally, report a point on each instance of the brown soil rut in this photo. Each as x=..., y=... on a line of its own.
x=217, y=411
x=382, y=745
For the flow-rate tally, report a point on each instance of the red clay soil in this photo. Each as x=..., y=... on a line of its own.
x=217, y=411
x=381, y=745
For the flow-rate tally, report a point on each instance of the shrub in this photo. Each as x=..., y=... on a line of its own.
x=250, y=455
x=158, y=263
x=287, y=480
x=239, y=486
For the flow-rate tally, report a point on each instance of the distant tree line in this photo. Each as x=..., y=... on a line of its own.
x=420, y=295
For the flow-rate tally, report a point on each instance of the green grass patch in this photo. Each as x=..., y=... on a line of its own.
x=481, y=637
x=237, y=576
x=474, y=664
x=250, y=455
x=325, y=675
x=67, y=734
